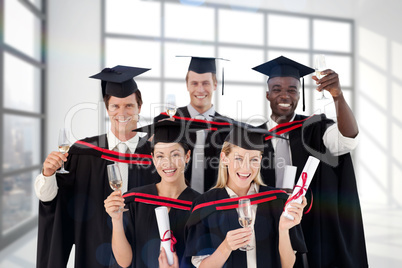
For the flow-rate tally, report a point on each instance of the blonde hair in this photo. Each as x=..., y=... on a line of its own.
x=222, y=180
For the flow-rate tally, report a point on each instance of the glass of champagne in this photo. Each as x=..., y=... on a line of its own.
x=115, y=181
x=64, y=146
x=171, y=105
x=319, y=65
x=246, y=217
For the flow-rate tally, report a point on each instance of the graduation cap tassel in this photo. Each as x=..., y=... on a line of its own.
x=304, y=99
x=223, y=83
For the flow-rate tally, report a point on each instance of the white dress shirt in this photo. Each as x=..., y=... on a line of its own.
x=334, y=141
x=46, y=187
x=251, y=254
x=193, y=112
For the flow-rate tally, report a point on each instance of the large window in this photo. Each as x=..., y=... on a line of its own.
x=22, y=70
x=152, y=33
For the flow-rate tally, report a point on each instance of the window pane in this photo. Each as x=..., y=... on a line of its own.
x=151, y=96
x=21, y=93
x=247, y=30
x=37, y=3
x=19, y=201
x=241, y=62
x=343, y=66
x=180, y=92
x=242, y=102
x=283, y=33
x=21, y=144
x=176, y=67
x=133, y=17
x=145, y=54
x=22, y=29
x=332, y=35
x=189, y=22
x=327, y=106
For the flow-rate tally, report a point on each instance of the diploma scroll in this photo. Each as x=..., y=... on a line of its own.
x=162, y=218
x=302, y=185
x=289, y=177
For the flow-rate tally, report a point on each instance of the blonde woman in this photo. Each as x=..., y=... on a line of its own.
x=213, y=233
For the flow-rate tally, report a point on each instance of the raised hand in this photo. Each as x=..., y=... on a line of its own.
x=329, y=82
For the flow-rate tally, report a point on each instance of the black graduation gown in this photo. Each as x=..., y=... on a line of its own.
x=77, y=214
x=141, y=227
x=212, y=150
x=333, y=229
x=208, y=226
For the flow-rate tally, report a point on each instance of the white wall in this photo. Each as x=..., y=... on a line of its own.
x=379, y=91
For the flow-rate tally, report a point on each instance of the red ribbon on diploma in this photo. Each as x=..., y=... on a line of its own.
x=174, y=241
x=302, y=190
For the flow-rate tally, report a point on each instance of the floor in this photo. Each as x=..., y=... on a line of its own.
x=383, y=228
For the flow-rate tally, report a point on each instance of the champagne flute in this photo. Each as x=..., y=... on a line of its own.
x=115, y=181
x=64, y=146
x=319, y=65
x=246, y=217
x=171, y=105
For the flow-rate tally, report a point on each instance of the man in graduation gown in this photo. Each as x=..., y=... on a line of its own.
x=71, y=209
x=201, y=83
x=333, y=229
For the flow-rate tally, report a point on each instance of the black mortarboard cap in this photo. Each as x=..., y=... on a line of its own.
x=247, y=136
x=118, y=81
x=170, y=131
x=202, y=65
x=284, y=67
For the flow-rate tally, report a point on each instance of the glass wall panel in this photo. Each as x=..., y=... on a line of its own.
x=18, y=205
x=22, y=85
x=22, y=29
x=21, y=136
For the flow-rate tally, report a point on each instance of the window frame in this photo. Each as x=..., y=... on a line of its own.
x=310, y=51
x=9, y=236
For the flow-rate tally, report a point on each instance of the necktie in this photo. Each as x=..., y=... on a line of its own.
x=197, y=168
x=122, y=147
x=282, y=158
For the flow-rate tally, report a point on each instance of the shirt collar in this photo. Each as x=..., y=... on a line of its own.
x=193, y=112
x=254, y=189
x=271, y=123
x=113, y=141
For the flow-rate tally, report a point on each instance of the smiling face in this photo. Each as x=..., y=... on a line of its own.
x=123, y=114
x=170, y=161
x=243, y=167
x=283, y=95
x=201, y=88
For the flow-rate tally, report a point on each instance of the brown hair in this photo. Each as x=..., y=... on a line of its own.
x=138, y=97
x=222, y=180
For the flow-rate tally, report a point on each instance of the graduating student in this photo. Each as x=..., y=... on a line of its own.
x=136, y=240
x=333, y=229
x=213, y=233
x=201, y=83
x=71, y=209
